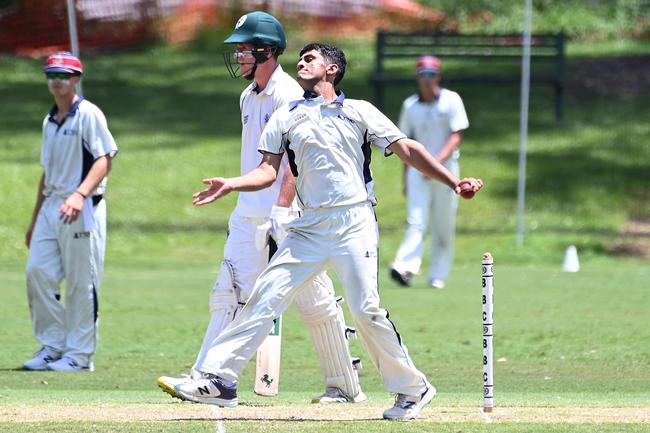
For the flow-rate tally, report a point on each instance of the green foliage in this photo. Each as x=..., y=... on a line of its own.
x=173, y=113
x=580, y=19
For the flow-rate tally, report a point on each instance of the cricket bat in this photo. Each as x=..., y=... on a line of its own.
x=267, y=366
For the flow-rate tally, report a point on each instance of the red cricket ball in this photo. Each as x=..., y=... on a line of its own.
x=466, y=191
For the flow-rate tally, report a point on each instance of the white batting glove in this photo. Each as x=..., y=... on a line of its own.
x=262, y=234
x=280, y=218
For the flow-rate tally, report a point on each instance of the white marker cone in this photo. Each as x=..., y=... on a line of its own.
x=571, y=262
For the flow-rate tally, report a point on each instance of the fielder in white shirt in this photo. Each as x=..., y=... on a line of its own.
x=67, y=234
x=327, y=139
x=435, y=117
x=260, y=39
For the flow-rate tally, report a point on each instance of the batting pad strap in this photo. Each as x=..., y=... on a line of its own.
x=223, y=302
x=225, y=294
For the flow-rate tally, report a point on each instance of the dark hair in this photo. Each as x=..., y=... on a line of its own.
x=332, y=54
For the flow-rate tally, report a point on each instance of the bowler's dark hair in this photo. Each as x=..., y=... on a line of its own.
x=332, y=54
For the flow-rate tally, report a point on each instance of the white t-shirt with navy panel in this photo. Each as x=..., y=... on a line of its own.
x=256, y=110
x=71, y=147
x=431, y=123
x=328, y=145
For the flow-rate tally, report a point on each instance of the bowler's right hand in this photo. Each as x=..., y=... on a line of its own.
x=219, y=187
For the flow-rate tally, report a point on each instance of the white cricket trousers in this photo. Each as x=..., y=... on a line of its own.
x=429, y=201
x=344, y=238
x=66, y=251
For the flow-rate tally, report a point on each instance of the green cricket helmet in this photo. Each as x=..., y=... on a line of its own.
x=264, y=32
x=260, y=29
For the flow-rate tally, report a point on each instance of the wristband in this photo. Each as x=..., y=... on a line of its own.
x=80, y=193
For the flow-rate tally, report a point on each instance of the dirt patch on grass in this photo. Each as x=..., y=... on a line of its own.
x=361, y=411
x=616, y=76
x=633, y=239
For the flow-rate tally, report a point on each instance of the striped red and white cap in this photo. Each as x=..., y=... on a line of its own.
x=430, y=65
x=63, y=61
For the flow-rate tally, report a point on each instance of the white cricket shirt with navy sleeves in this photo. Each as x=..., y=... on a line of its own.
x=328, y=145
x=70, y=148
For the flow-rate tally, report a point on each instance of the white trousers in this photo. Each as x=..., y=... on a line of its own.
x=61, y=251
x=345, y=239
x=429, y=201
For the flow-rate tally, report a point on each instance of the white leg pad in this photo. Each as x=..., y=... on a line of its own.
x=224, y=306
x=319, y=309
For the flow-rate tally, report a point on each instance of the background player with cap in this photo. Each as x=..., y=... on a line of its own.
x=327, y=139
x=67, y=235
x=436, y=118
x=260, y=39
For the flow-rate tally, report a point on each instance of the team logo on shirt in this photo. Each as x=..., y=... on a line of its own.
x=297, y=117
x=245, y=119
x=342, y=117
x=267, y=116
x=69, y=132
x=81, y=235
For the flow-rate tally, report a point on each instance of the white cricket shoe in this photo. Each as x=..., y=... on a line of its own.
x=408, y=406
x=68, y=364
x=41, y=359
x=209, y=389
x=437, y=284
x=336, y=395
x=167, y=383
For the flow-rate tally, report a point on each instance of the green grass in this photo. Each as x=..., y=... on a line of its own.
x=318, y=426
x=569, y=340
x=563, y=339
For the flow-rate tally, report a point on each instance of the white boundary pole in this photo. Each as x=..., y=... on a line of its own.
x=523, y=125
x=487, y=283
x=74, y=37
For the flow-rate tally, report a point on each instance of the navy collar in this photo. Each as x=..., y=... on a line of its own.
x=435, y=99
x=310, y=96
x=71, y=112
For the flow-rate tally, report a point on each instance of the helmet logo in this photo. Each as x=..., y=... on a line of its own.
x=240, y=22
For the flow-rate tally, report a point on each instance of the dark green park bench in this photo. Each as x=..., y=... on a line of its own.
x=472, y=59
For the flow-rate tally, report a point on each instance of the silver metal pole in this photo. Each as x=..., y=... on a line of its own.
x=523, y=125
x=74, y=38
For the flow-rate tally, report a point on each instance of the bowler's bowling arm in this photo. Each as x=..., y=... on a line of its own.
x=416, y=155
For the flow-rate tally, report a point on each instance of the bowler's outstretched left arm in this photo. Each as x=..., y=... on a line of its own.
x=262, y=177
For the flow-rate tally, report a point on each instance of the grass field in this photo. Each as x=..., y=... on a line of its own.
x=573, y=348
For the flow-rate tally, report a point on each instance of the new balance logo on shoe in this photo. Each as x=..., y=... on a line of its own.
x=208, y=389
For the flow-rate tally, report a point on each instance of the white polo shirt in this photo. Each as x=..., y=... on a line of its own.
x=256, y=110
x=70, y=148
x=431, y=123
x=328, y=146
